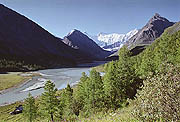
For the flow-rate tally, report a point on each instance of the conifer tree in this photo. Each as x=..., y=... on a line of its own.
x=30, y=109
x=110, y=86
x=125, y=72
x=94, y=100
x=68, y=100
x=119, y=80
x=80, y=94
x=49, y=99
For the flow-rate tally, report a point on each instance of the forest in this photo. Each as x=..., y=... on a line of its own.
x=148, y=81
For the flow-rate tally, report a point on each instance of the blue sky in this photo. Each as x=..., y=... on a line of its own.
x=94, y=16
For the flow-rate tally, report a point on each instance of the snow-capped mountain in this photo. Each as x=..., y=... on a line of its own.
x=112, y=41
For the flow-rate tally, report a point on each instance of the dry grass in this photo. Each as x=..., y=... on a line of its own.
x=11, y=80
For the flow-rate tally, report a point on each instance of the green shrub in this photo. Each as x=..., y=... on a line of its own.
x=159, y=97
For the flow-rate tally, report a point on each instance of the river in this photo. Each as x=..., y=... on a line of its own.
x=60, y=77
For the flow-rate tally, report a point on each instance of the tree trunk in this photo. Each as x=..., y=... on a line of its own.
x=52, y=119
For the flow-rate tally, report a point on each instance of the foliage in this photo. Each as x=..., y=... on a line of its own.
x=160, y=96
x=80, y=94
x=29, y=108
x=164, y=49
x=120, y=80
x=129, y=81
x=111, y=88
x=66, y=102
x=17, y=65
x=120, y=115
x=49, y=99
x=94, y=100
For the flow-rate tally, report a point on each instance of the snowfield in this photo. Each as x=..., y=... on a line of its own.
x=112, y=42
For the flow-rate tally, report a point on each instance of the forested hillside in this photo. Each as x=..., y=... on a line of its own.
x=148, y=82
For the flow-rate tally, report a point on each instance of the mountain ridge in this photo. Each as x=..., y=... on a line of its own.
x=83, y=43
x=112, y=41
x=152, y=30
x=22, y=42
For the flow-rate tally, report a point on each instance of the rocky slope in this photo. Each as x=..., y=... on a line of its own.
x=152, y=30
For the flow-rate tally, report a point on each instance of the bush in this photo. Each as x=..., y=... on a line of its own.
x=159, y=97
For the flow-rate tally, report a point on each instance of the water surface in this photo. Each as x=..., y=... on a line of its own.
x=59, y=76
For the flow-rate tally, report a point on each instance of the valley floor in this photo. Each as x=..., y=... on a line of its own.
x=13, y=79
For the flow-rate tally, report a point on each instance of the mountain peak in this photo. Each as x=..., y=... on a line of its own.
x=152, y=30
x=156, y=15
x=74, y=31
x=81, y=42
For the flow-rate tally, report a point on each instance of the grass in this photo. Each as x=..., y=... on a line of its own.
x=11, y=80
x=6, y=117
x=122, y=115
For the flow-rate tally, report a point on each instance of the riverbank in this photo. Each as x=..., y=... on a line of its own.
x=61, y=77
x=12, y=80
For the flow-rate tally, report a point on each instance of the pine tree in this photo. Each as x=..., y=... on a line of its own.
x=119, y=80
x=80, y=94
x=30, y=109
x=68, y=101
x=110, y=86
x=49, y=100
x=126, y=73
x=94, y=100
x=129, y=81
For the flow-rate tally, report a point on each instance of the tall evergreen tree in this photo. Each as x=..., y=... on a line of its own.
x=94, y=100
x=119, y=80
x=30, y=109
x=110, y=86
x=49, y=99
x=68, y=99
x=80, y=94
x=126, y=74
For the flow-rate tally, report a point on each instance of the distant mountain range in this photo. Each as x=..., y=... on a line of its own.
x=22, y=40
x=135, y=39
x=112, y=42
x=145, y=36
